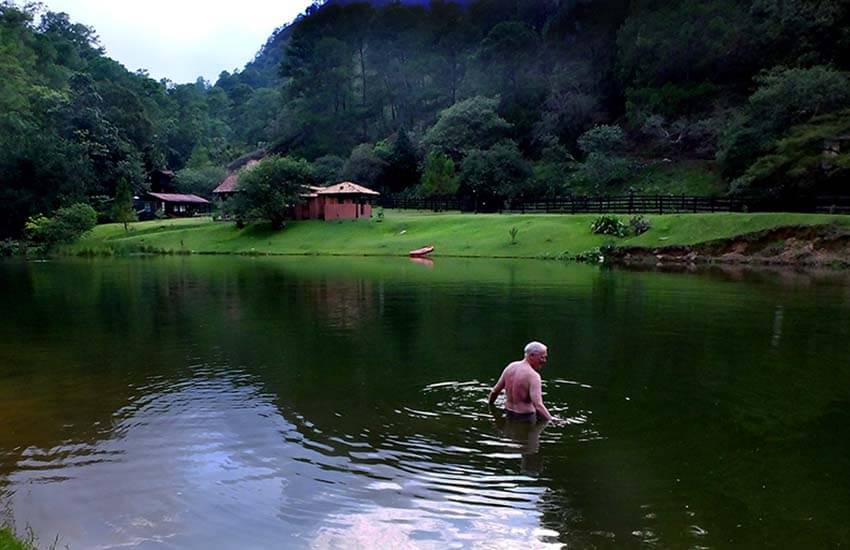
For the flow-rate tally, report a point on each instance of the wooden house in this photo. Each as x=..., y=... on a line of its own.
x=172, y=205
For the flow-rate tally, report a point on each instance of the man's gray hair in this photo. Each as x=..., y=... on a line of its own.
x=534, y=347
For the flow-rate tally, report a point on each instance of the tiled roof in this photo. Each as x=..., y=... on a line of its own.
x=172, y=197
x=346, y=188
x=230, y=182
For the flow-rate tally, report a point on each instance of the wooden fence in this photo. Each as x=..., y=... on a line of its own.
x=626, y=204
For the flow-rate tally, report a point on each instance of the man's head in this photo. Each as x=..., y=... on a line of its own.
x=536, y=354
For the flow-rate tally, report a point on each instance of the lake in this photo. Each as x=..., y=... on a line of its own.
x=233, y=402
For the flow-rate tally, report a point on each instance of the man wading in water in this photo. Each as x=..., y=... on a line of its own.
x=521, y=382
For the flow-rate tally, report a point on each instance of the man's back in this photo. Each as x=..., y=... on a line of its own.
x=522, y=385
x=519, y=377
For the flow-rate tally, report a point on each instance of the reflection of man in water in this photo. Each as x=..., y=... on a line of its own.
x=523, y=390
x=526, y=435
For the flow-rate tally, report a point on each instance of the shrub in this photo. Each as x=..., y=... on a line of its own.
x=66, y=225
x=639, y=225
x=609, y=225
x=513, y=233
x=9, y=247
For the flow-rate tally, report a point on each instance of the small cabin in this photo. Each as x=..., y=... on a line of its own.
x=172, y=205
x=343, y=201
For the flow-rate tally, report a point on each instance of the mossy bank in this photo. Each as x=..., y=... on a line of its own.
x=459, y=235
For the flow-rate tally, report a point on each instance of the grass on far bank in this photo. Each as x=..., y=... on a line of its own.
x=452, y=234
x=8, y=541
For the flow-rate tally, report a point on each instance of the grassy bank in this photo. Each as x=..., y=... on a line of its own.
x=8, y=541
x=538, y=236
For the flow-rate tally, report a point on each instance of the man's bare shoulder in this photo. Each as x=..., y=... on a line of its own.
x=513, y=366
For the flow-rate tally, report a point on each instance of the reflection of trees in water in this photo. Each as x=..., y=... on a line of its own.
x=710, y=420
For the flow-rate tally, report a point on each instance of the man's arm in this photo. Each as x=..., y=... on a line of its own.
x=497, y=389
x=536, y=393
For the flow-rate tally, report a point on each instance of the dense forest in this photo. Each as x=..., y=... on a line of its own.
x=496, y=98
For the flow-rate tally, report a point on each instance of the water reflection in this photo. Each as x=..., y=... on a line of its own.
x=220, y=402
x=526, y=435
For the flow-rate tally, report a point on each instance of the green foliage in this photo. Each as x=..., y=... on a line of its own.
x=470, y=124
x=800, y=163
x=270, y=190
x=328, y=169
x=67, y=225
x=199, y=180
x=639, y=225
x=785, y=97
x=439, y=178
x=609, y=225
x=514, y=231
x=402, y=171
x=600, y=171
x=602, y=139
x=367, y=165
x=122, y=207
x=669, y=100
x=496, y=173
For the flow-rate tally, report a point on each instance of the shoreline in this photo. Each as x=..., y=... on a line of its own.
x=757, y=239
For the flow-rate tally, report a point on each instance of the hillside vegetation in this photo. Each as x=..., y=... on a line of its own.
x=498, y=99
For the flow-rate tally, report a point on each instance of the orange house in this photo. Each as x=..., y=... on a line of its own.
x=343, y=201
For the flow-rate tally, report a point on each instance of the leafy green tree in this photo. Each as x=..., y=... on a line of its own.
x=122, y=207
x=798, y=164
x=508, y=53
x=439, y=178
x=496, y=173
x=402, y=169
x=199, y=181
x=271, y=189
x=67, y=225
x=602, y=139
x=470, y=124
x=785, y=97
x=366, y=165
x=328, y=169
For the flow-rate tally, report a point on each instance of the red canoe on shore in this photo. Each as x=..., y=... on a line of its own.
x=419, y=252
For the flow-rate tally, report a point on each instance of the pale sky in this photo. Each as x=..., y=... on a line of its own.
x=181, y=39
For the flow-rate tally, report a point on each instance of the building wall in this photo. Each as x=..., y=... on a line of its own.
x=346, y=209
x=330, y=208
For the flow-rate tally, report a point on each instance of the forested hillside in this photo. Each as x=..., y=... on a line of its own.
x=496, y=98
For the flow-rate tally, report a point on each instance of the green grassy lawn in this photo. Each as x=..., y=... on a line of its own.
x=475, y=235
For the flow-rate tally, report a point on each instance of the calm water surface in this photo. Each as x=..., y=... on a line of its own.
x=341, y=403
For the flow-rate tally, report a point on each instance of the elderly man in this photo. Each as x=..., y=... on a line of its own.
x=521, y=382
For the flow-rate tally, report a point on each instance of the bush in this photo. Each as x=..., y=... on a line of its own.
x=9, y=247
x=639, y=225
x=609, y=225
x=66, y=225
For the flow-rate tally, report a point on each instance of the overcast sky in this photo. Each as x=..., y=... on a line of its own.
x=181, y=39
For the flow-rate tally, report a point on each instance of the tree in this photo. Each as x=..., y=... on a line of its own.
x=199, y=181
x=365, y=165
x=470, y=124
x=497, y=173
x=402, y=169
x=439, y=178
x=602, y=139
x=122, y=208
x=67, y=225
x=271, y=189
x=785, y=97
